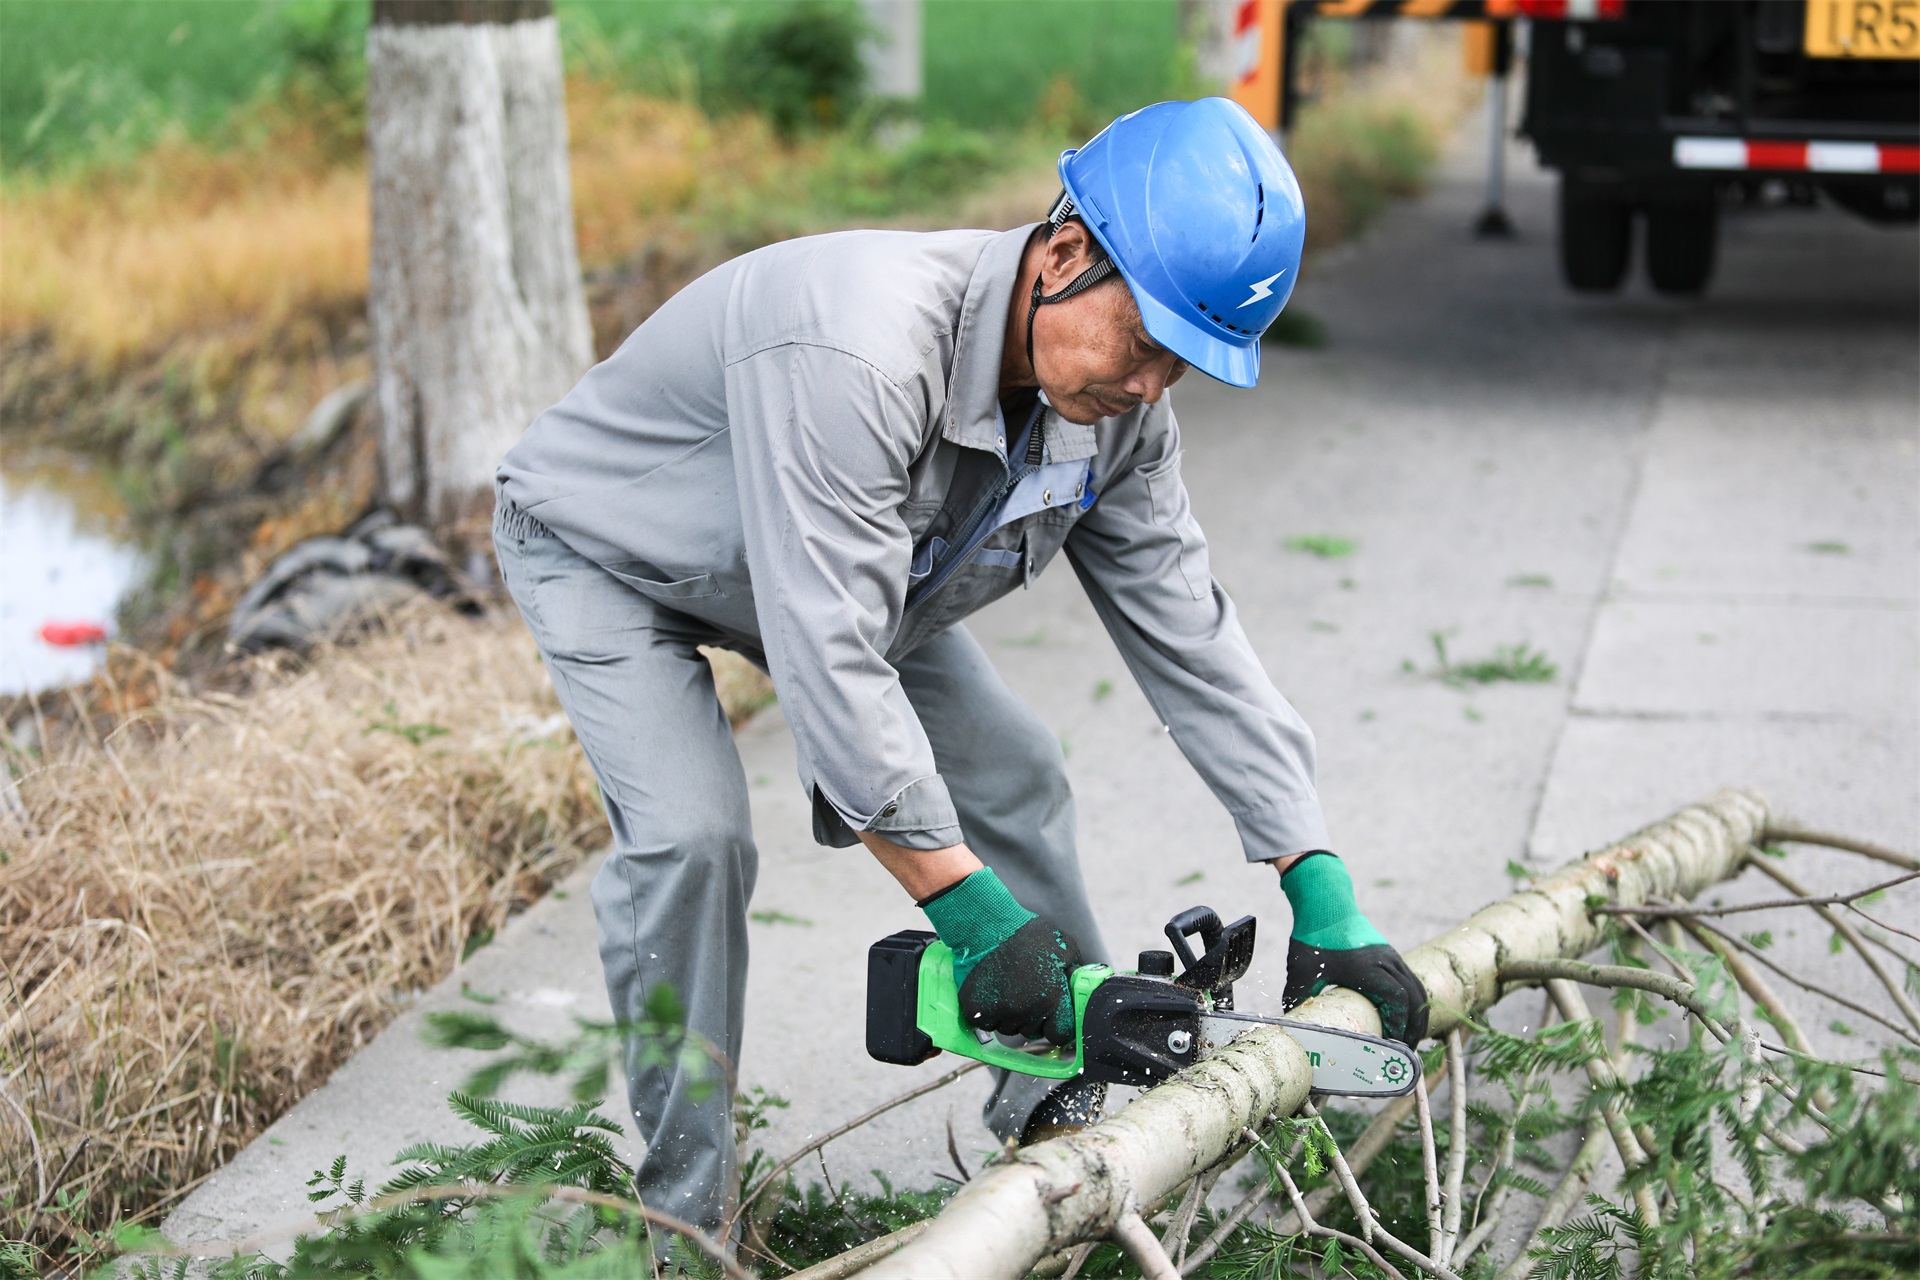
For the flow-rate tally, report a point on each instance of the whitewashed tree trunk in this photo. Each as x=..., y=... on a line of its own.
x=1058, y=1193
x=895, y=64
x=479, y=317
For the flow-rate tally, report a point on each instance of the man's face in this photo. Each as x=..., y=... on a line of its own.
x=1091, y=354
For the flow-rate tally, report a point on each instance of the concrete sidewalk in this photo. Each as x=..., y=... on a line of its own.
x=1704, y=514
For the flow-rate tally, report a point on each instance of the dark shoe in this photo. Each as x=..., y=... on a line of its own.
x=1075, y=1105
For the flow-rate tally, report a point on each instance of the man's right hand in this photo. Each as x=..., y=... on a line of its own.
x=1013, y=968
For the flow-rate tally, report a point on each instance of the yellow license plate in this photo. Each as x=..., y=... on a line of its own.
x=1863, y=29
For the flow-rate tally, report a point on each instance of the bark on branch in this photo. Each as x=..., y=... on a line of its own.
x=1072, y=1189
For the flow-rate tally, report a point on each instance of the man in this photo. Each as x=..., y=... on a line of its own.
x=827, y=453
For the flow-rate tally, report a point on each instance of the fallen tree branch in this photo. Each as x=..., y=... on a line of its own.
x=1782, y=834
x=1134, y=1236
x=862, y=1256
x=1313, y=1228
x=1430, y=1174
x=1774, y=904
x=1573, y=1185
x=1361, y=1154
x=1456, y=1147
x=1846, y=930
x=1632, y=1145
x=1741, y=945
x=1062, y=1192
x=1366, y=1214
x=774, y=1175
x=1343, y=1174
x=1613, y=975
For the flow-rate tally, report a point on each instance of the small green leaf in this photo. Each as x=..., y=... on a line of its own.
x=779, y=917
x=1835, y=943
x=1327, y=546
x=664, y=1007
x=1192, y=877
x=1839, y=1028
x=1102, y=690
x=1520, y=871
x=1829, y=547
x=1759, y=940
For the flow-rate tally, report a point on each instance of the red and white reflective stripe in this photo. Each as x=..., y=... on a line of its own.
x=1796, y=157
x=1246, y=42
x=1573, y=10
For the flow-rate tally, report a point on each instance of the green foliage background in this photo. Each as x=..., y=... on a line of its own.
x=89, y=80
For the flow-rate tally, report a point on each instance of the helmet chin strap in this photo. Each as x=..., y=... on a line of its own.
x=1062, y=210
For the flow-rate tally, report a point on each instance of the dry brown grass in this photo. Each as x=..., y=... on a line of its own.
x=108, y=278
x=190, y=242
x=205, y=910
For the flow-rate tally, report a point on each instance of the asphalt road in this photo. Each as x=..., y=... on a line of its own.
x=1705, y=515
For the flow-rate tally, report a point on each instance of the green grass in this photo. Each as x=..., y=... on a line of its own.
x=108, y=76
x=990, y=62
x=88, y=80
x=1520, y=663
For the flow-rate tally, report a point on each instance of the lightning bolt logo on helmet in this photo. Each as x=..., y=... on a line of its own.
x=1263, y=288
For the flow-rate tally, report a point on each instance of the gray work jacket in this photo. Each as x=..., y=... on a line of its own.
x=800, y=450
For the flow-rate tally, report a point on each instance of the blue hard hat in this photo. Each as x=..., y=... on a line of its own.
x=1202, y=215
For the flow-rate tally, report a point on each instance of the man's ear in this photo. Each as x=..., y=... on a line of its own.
x=1069, y=252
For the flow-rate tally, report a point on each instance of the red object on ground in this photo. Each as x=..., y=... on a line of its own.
x=69, y=635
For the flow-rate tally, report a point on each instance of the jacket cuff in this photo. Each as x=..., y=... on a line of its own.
x=919, y=816
x=1283, y=829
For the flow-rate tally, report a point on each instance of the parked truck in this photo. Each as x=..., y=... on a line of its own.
x=1661, y=112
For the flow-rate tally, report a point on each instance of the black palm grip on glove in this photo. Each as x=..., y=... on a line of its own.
x=1022, y=987
x=1377, y=972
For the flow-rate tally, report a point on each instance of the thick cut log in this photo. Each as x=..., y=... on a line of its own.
x=478, y=313
x=1061, y=1192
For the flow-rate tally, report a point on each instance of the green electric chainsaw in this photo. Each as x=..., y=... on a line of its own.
x=1129, y=1028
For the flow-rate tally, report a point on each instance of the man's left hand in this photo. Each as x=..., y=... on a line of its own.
x=1333, y=945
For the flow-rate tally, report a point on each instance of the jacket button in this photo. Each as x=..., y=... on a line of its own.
x=890, y=810
x=1046, y=497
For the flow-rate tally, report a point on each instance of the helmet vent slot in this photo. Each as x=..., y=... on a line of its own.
x=1259, y=208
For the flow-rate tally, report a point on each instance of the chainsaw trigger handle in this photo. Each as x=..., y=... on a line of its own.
x=1228, y=953
x=1201, y=920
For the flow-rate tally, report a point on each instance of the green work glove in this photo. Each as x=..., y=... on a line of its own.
x=1333, y=945
x=1012, y=967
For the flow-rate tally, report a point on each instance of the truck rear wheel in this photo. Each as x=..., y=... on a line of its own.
x=1596, y=238
x=1680, y=247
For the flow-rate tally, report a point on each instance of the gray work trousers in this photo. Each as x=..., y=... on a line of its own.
x=671, y=898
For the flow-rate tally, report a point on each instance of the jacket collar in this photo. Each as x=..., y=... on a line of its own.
x=973, y=383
